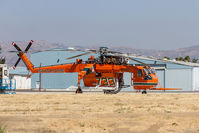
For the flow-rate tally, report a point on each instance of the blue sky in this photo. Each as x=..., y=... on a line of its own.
x=148, y=24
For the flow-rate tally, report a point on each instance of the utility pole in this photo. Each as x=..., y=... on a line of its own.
x=40, y=80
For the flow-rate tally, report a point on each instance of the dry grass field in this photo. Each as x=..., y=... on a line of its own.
x=99, y=113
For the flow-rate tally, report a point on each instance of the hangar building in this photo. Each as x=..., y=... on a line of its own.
x=171, y=74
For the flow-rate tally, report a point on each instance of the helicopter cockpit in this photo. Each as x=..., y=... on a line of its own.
x=148, y=72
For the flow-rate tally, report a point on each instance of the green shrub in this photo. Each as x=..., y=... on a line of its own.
x=2, y=129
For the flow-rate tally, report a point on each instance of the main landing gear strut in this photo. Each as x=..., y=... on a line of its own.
x=79, y=90
x=144, y=92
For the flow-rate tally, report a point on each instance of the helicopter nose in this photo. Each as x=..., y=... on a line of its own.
x=155, y=77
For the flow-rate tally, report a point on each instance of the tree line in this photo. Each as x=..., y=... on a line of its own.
x=185, y=59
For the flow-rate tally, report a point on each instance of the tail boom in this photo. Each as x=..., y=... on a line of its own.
x=27, y=62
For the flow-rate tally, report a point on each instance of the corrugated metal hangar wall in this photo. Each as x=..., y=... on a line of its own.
x=171, y=75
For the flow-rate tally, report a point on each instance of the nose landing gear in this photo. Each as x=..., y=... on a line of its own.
x=144, y=92
x=79, y=90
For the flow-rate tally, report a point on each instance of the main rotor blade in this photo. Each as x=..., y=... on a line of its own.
x=13, y=51
x=16, y=63
x=57, y=49
x=114, y=52
x=79, y=55
x=137, y=61
x=92, y=50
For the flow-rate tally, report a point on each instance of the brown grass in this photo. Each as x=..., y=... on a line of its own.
x=98, y=113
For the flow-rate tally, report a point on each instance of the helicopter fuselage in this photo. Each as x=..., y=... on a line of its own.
x=105, y=71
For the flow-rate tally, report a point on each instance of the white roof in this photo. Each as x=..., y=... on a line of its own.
x=169, y=61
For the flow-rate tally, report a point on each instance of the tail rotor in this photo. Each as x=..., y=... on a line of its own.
x=28, y=47
x=16, y=63
x=20, y=51
x=16, y=46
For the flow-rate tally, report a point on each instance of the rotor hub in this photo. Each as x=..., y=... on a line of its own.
x=103, y=50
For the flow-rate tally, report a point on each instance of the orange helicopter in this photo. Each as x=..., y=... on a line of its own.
x=106, y=71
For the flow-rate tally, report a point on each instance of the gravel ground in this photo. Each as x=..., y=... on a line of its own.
x=99, y=113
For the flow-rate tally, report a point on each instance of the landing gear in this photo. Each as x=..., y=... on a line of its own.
x=117, y=89
x=2, y=91
x=144, y=92
x=112, y=91
x=79, y=90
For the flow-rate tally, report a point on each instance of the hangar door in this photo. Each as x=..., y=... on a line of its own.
x=161, y=76
x=195, y=79
x=179, y=78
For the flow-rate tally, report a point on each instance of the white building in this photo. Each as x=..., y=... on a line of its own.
x=20, y=75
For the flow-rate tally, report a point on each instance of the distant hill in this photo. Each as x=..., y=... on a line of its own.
x=11, y=58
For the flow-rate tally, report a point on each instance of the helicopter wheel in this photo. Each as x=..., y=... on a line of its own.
x=144, y=92
x=79, y=90
x=2, y=91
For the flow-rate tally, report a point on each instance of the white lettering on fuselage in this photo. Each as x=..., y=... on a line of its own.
x=50, y=70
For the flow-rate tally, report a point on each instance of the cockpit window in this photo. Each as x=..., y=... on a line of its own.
x=147, y=71
x=153, y=70
x=139, y=73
